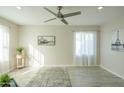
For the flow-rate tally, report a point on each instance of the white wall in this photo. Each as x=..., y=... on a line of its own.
x=60, y=54
x=13, y=41
x=112, y=60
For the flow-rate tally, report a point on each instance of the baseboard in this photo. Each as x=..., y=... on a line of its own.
x=12, y=69
x=57, y=65
x=68, y=66
x=112, y=72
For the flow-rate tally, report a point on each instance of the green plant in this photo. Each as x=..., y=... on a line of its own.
x=19, y=49
x=5, y=80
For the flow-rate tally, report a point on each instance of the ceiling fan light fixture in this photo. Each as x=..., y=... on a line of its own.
x=62, y=16
x=100, y=7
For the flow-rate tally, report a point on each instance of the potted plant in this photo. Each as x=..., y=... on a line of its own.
x=19, y=50
x=5, y=80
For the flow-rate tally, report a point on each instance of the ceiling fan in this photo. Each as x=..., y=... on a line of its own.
x=61, y=16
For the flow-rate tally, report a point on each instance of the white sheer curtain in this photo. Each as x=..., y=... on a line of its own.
x=4, y=48
x=85, y=48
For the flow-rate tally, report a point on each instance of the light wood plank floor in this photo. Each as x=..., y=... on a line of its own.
x=79, y=77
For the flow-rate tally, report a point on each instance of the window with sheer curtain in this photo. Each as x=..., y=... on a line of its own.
x=85, y=48
x=4, y=48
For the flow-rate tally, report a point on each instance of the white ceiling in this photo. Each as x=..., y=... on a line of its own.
x=35, y=15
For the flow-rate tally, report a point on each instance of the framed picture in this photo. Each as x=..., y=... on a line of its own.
x=117, y=41
x=46, y=40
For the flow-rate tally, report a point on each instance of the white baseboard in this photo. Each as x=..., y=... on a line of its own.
x=112, y=72
x=12, y=69
x=68, y=66
x=57, y=65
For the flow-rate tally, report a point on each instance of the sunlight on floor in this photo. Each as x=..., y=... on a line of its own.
x=31, y=70
x=24, y=75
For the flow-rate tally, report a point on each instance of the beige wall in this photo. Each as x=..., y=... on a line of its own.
x=61, y=53
x=13, y=41
x=58, y=55
x=112, y=60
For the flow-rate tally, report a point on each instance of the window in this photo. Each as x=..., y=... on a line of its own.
x=4, y=47
x=85, y=48
x=84, y=43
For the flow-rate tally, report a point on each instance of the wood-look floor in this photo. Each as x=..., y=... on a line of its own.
x=79, y=77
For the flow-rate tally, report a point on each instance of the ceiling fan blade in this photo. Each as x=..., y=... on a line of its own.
x=50, y=11
x=72, y=14
x=49, y=20
x=64, y=21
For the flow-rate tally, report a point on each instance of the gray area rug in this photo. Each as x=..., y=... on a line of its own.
x=51, y=77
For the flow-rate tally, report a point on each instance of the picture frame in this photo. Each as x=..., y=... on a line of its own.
x=117, y=42
x=46, y=40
